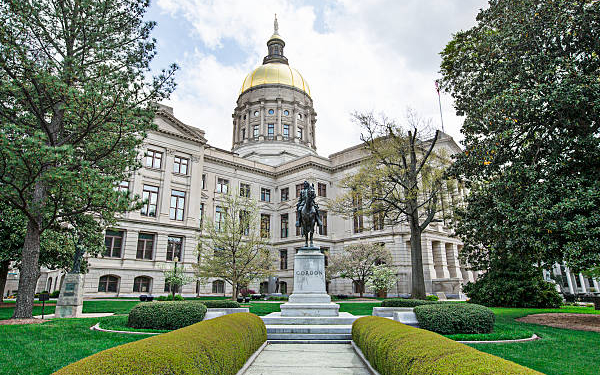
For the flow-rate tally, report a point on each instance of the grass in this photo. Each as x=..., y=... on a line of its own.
x=43, y=348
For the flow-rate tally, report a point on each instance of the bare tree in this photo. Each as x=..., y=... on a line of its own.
x=400, y=181
x=232, y=247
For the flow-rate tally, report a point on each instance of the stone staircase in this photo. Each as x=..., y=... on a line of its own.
x=297, y=330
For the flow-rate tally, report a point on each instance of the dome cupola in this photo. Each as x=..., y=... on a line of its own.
x=274, y=120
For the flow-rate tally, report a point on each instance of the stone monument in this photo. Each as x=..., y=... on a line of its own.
x=310, y=298
x=70, y=300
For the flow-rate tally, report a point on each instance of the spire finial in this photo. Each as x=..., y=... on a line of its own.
x=276, y=25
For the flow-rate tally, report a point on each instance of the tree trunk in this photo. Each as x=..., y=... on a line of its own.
x=3, y=275
x=234, y=291
x=416, y=255
x=361, y=288
x=29, y=272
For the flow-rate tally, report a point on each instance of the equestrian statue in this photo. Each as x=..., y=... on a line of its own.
x=308, y=212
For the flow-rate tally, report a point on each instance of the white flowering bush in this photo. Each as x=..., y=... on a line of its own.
x=382, y=279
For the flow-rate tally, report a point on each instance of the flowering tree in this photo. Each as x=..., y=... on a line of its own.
x=382, y=279
x=176, y=277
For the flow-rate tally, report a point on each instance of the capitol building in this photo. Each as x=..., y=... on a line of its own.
x=274, y=149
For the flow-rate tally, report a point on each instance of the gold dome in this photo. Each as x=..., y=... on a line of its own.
x=275, y=73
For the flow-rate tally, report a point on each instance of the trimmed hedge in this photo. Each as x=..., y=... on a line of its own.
x=221, y=304
x=393, y=348
x=451, y=318
x=166, y=315
x=405, y=302
x=217, y=346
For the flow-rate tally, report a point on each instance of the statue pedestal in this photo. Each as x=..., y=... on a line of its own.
x=310, y=299
x=70, y=301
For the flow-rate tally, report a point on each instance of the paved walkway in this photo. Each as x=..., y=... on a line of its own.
x=307, y=359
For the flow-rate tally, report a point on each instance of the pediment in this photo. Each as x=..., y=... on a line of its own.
x=266, y=206
x=285, y=205
x=168, y=124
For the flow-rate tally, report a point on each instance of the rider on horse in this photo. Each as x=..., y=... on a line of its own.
x=302, y=201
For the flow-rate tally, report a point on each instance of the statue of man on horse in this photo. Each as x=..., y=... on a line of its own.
x=308, y=212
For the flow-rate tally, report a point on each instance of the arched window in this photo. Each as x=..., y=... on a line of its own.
x=108, y=284
x=142, y=284
x=49, y=285
x=282, y=287
x=218, y=286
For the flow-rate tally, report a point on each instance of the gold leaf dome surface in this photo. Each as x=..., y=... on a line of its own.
x=275, y=73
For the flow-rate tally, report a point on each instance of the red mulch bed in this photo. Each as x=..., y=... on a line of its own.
x=579, y=322
x=10, y=322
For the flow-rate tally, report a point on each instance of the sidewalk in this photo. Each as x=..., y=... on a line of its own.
x=307, y=359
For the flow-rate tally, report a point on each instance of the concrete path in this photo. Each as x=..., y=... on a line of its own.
x=307, y=359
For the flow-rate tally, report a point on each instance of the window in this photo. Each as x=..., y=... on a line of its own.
x=322, y=189
x=265, y=225
x=270, y=130
x=286, y=131
x=150, y=196
x=201, y=213
x=378, y=220
x=298, y=190
x=177, y=205
x=357, y=216
x=218, y=286
x=244, y=222
x=123, y=186
x=145, y=246
x=243, y=133
x=222, y=185
x=204, y=181
x=323, y=229
x=245, y=190
x=113, y=240
x=180, y=165
x=285, y=223
x=174, y=246
x=175, y=289
x=153, y=159
x=271, y=111
x=283, y=259
x=299, y=133
x=255, y=131
x=108, y=284
x=265, y=194
x=256, y=113
x=300, y=116
x=297, y=228
x=141, y=284
x=219, y=218
x=286, y=112
x=285, y=194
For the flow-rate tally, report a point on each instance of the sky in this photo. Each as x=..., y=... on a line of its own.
x=357, y=56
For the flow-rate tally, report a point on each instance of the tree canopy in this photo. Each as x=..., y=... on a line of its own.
x=75, y=105
x=526, y=80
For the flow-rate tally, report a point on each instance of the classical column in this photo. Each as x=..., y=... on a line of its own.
x=278, y=130
x=453, y=261
x=582, y=281
x=439, y=260
x=130, y=244
x=428, y=265
x=165, y=194
x=294, y=123
x=262, y=133
x=194, y=199
x=236, y=130
x=569, y=281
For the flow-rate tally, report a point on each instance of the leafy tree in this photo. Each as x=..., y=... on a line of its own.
x=75, y=105
x=401, y=181
x=382, y=279
x=176, y=277
x=232, y=247
x=358, y=262
x=526, y=80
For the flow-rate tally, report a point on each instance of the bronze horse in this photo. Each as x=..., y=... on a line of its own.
x=308, y=217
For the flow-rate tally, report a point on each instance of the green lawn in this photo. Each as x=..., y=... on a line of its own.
x=43, y=348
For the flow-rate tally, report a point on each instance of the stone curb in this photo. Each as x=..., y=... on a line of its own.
x=363, y=358
x=252, y=358
x=532, y=338
x=97, y=328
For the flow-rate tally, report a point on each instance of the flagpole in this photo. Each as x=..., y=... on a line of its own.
x=437, y=88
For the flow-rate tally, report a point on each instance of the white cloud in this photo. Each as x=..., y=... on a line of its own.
x=374, y=55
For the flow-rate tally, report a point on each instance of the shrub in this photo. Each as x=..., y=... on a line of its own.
x=452, y=318
x=513, y=288
x=166, y=315
x=432, y=297
x=405, y=302
x=277, y=298
x=218, y=304
x=393, y=348
x=55, y=294
x=178, y=297
x=217, y=346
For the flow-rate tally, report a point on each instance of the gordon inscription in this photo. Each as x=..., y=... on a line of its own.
x=309, y=273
